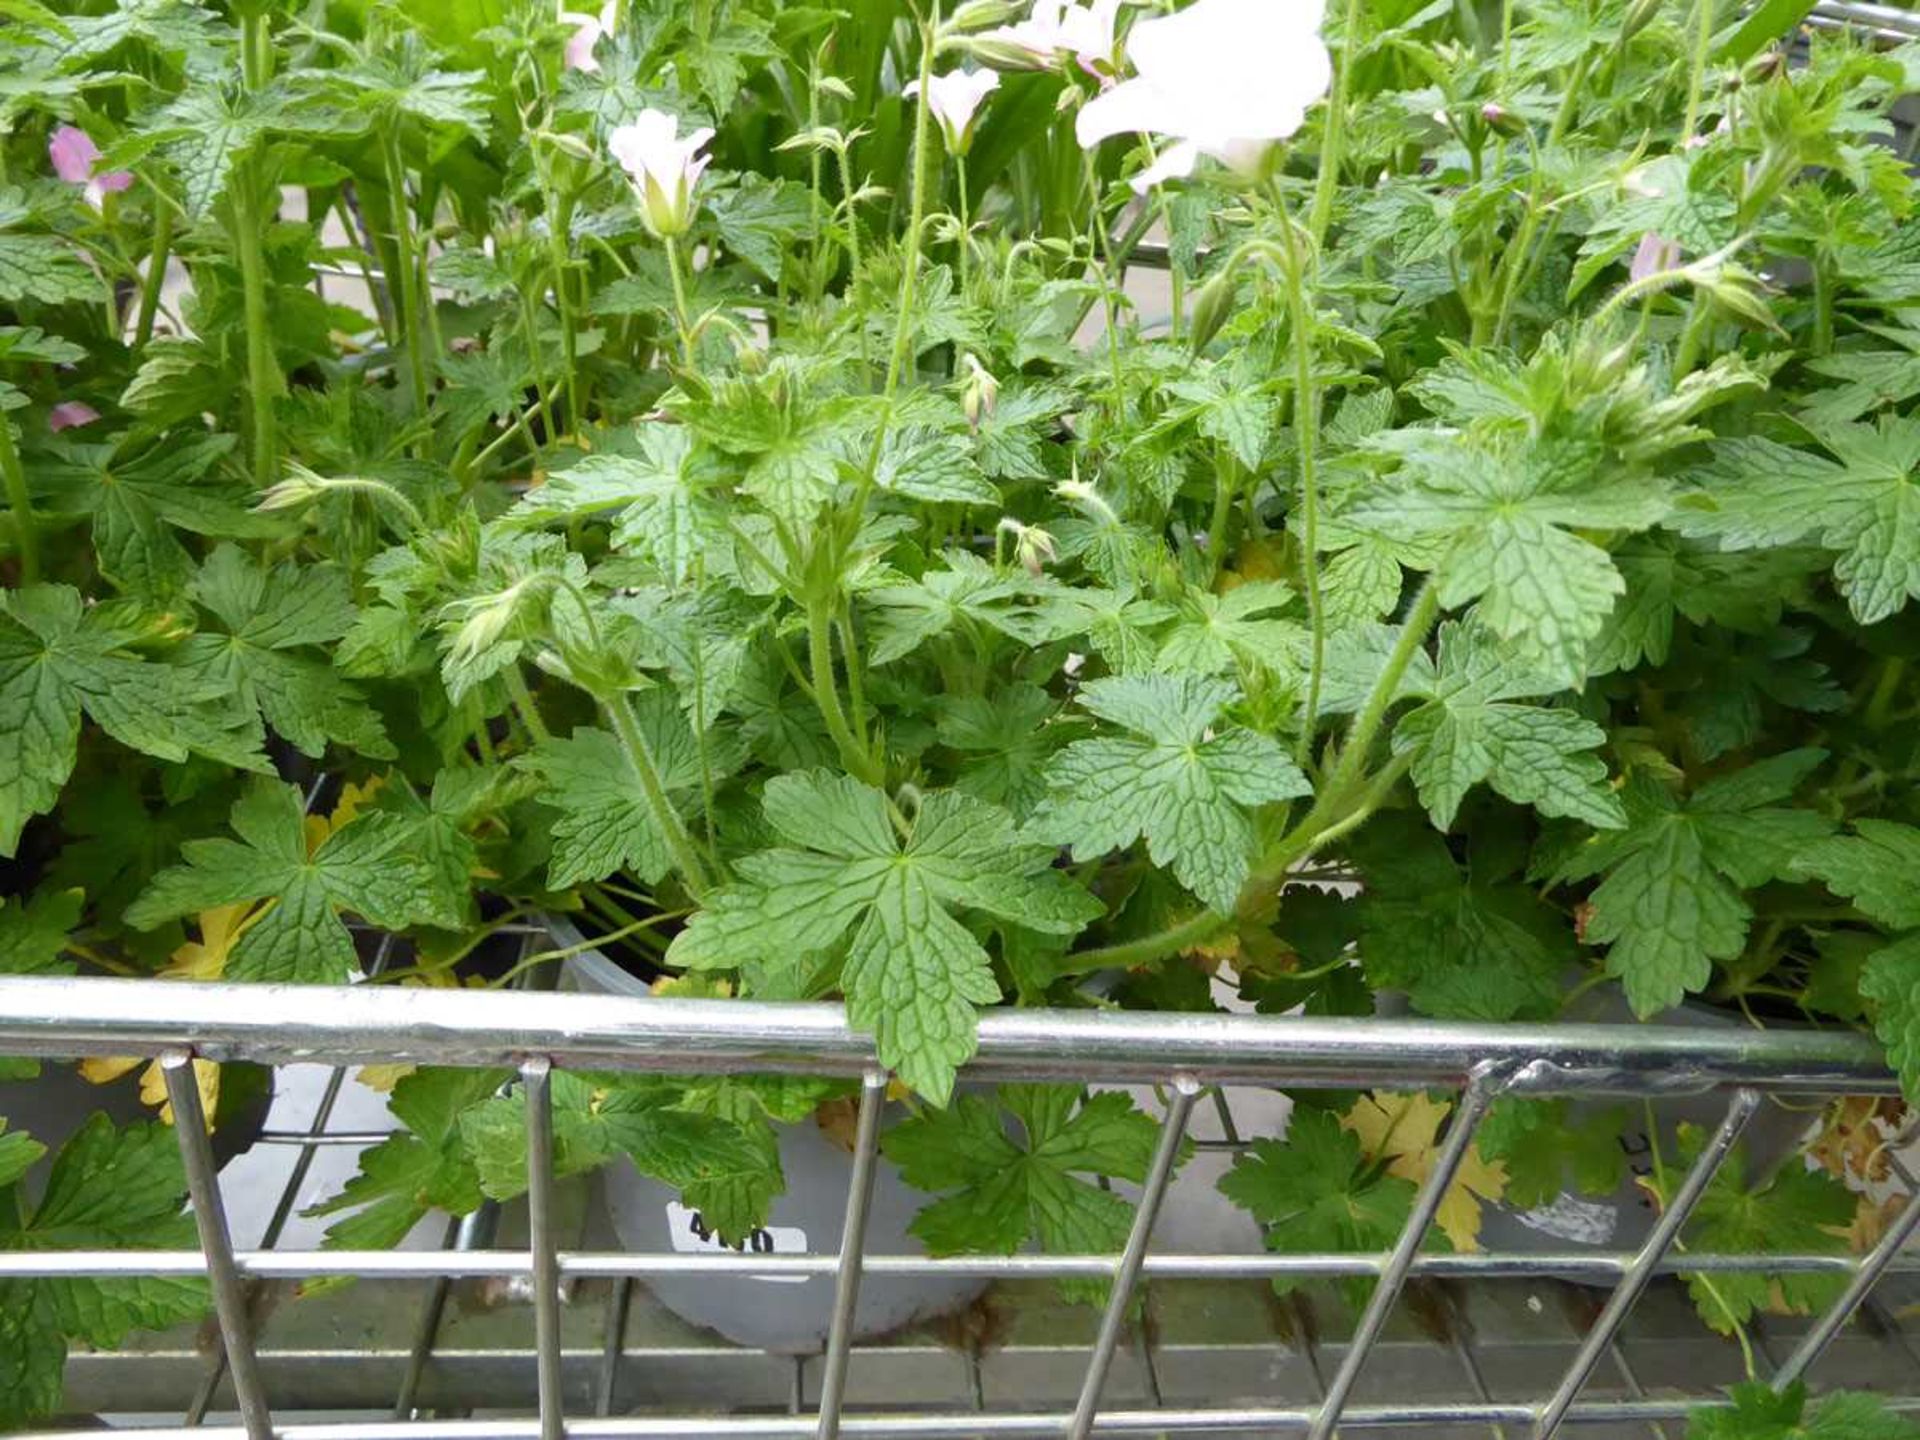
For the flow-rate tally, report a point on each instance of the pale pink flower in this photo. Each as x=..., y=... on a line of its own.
x=1655, y=256
x=588, y=32
x=663, y=167
x=71, y=415
x=1060, y=27
x=75, y=157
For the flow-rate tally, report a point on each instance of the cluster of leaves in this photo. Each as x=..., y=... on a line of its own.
x=811, y=613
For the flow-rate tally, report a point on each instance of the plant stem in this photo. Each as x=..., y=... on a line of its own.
x=528, y=707
x=1148, y=948
x=1306, y=428
x=826, y=694
x=854, y=256
x=408, y=294
x=250, y=219
x=1366, y=725
x=682, y=317
x=1333, y=135
x=156, y=274
x=26, y=535
x=686, y=858
x=966, y=226
x=560, y=260
x=1697, y=71
x=1226, y=489
x=917, y=212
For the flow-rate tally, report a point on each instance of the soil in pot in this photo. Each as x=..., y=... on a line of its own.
x=785, y=1314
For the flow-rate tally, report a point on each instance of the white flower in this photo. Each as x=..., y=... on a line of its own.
x=1057, y=27
x=663, y=167
x=588, y=31
x=1224, y=78
x=955, y=98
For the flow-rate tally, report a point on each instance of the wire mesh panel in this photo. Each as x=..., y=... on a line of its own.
x=1102, y=1374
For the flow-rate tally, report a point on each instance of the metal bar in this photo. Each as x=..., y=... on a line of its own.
x=1627, y=1292
x=853, y=1244
x=536, y=1076
x=619, y=1302
x=604, y=1265
x=354, y=1024
x=1814, y=1343
x=1186, y=1090
x=1488, y=1081
x=216, y=1242
x=963, y=1425
x=461, y=1234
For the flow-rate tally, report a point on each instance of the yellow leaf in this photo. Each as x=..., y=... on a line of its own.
x=153, y=1090
x=353, y=799
x=105, y=1071
x=1404, y=1131
x=206, y=958
x=384, y=1077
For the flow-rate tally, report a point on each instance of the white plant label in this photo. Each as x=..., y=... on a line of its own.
x=691, y=1235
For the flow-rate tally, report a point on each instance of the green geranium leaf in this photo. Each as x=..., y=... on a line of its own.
x=1761, y=1413
x=1469, y=731
x=912, y=972
x=1177, y=777
x=273, y=620
x=1672, y=900
x=1033, y=1182
x=59, y=659
x=369, y=867
x=1318, y=1193
x=108, y=1190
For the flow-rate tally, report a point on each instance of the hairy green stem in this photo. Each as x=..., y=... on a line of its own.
x=917, y=210
x=683, y=320
x=26, y=535
x=1366, y=725
x=1333, y=135
x=1306, y=430
x=526, y=705
x=686, y=858
x=826, y=693
x=250, y=220
x=1697, y=69
x=559, y=261
x=966, y=227
x=156, y=277
x=411, y=327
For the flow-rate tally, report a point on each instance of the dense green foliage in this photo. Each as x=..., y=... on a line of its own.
x=824, y=577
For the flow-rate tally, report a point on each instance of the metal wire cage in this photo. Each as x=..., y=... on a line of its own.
x=1187, y=1057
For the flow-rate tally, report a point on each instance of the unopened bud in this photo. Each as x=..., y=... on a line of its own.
x=1639, y=15
x=1032, y=546
x=1763, y=67
x=979, y=14
x=1211, y=306
x=1501, y=120
x=979, y=393
x=301, y=487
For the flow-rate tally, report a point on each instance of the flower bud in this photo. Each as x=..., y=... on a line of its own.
x=1502, y=121
x=978, y=14
x=1211, y=307
x=979, y=393
x=1033, y=547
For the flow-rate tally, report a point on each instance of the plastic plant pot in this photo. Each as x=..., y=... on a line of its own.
x=785, y=1314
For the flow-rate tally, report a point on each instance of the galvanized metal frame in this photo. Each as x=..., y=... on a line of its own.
x=1187, y=1054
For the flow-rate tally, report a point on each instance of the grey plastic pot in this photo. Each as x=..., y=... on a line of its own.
x=776, y=1313
x=55, y=1104
x=1623, y=1219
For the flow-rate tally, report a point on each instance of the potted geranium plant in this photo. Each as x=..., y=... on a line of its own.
x=745, y=515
